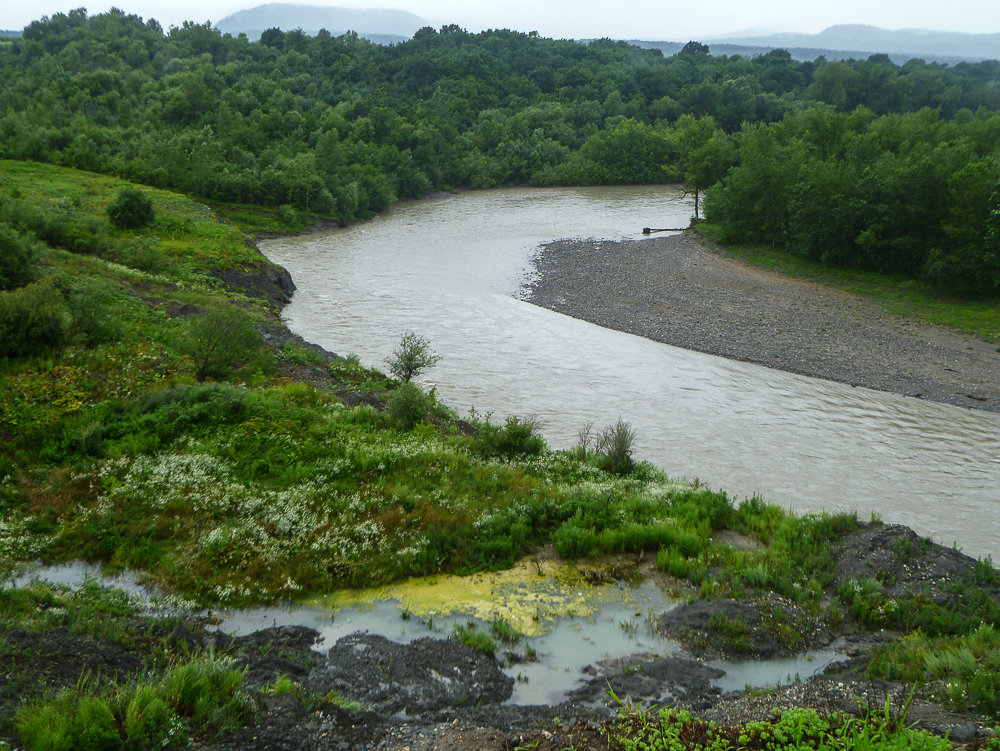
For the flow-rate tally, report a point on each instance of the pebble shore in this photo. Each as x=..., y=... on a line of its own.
x=682, y=290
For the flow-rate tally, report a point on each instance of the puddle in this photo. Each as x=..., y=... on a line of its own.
x=79, y=574
x=566, y=622
x=780, y=671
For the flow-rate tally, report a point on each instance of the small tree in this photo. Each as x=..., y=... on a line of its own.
x=131, y=209
x=219, y=341
x=412, y=356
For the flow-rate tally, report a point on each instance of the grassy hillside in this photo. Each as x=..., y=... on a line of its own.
x=156, y=415
x=121, y=445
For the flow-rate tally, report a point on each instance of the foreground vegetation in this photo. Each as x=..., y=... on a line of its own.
x=155, y=415
x=233, y=471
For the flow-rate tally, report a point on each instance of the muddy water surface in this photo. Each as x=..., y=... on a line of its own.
x=451, y=268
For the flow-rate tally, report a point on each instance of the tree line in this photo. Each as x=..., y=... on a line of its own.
x=861, y=162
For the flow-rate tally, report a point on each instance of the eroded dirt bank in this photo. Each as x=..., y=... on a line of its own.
x=681, y=290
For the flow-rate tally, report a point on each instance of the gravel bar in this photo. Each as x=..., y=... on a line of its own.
x=685, y=291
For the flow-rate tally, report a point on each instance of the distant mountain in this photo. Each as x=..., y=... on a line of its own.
x=872, y=40
x=9, y=34
x=382, y=26
x=798, y=53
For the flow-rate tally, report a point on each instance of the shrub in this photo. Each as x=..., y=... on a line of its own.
x=142, y=254
x=412, y=356
x=574, y=542
x=33, y=320
x=407, y=406
x=131, y=209
x=18, y=255
x=615, y=444
x=91, y=304
x=517, y=437
x=219, y=341
x=60, y=227
x=289, y=217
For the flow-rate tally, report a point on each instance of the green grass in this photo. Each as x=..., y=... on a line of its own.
x=203, y=694
x=898, y=295
x=794, y=729
x=261, y=221
x=478, y=640
x=963, y=671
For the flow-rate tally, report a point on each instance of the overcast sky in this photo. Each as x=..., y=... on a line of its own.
x=677, y=20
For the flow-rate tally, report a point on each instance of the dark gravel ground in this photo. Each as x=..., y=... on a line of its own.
x=682, y=290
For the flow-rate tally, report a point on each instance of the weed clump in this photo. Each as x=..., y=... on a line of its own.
x=204, y=694
x=478, y=640
x=518, y=436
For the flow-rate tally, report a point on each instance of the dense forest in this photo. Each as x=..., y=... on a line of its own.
x=861, y=163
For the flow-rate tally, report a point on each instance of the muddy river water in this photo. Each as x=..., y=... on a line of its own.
x=450, y=269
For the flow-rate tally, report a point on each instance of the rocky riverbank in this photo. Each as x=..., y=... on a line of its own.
x=684, y=291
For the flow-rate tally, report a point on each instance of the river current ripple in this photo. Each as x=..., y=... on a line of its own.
x=450, y=269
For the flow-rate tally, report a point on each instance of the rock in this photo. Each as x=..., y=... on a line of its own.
x=425, y=675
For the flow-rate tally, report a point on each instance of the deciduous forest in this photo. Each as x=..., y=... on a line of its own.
x=862, y=163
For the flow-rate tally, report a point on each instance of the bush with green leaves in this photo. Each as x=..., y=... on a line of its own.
x=142, y=254
x=33, y=320
x=92, y=307
x=518, y=436
x=18, y=256
x=131, y=209
x=407, y=405
x=220, y=341
x=412, y=356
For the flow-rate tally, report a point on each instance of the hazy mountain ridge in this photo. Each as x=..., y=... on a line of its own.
x=856, y=38
x=801, y=54
x=379, y=25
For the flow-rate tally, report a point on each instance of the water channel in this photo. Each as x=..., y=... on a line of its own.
x=450, y=269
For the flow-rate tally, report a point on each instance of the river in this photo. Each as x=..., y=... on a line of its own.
x=451, y=268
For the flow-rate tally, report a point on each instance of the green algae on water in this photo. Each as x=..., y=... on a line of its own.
x=531, y=596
